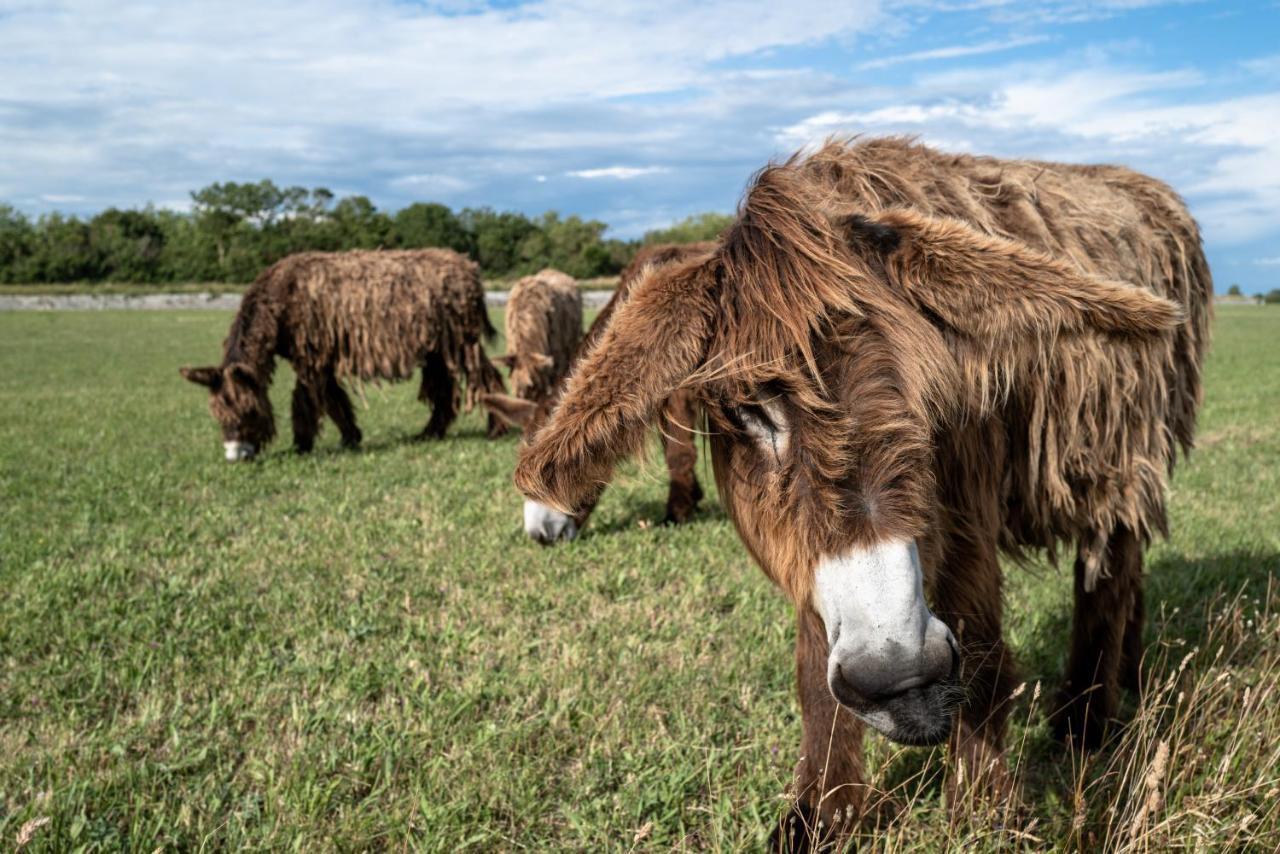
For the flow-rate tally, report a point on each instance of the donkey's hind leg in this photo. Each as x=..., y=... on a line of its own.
x=338, y=405
x=439, y=389
x=1106, y=639
x=830, y=790
x=305, y=413
x=676, y=427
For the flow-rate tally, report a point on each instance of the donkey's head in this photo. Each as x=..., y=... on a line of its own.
x=829, y=348
x=238, y=401
x=542, y=523
x=532, y=374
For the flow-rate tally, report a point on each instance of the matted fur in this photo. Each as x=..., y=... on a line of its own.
x=971, y=353
x=544, y=328
x=362, y=316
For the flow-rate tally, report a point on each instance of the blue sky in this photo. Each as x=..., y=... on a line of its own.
x=637, y=113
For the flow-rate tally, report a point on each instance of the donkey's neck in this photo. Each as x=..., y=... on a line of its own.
x=254, y=335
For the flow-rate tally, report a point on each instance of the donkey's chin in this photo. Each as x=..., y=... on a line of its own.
x=917, y=717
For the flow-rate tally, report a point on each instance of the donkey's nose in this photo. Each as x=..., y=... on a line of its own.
x=866, y=676
x=547, y=525
x=878, y=680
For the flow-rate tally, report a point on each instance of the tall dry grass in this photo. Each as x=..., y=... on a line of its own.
x=1196, y=767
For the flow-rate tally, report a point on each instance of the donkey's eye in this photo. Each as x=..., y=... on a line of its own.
x=765, y=423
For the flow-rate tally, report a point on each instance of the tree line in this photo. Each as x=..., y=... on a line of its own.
x=234, y=230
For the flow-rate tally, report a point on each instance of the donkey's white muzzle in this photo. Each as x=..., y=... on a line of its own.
x=236, y=451
x=547, y=525
x=890, y=657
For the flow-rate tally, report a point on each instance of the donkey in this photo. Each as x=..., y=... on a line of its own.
x=675, y=416
x=911, y=362
x=544, y=328
x=361, y=315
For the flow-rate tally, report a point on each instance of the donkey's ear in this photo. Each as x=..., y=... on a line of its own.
x=653, y=342
x=998, y=291
x=209, y=377
x=541, y=361
x=512, y=411
x=239, y=372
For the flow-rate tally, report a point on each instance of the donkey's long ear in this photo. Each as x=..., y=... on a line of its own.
x=653, y=342
x=997, y=291
x=210, y=377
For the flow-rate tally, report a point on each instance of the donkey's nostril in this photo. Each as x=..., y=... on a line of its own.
x=869, y=683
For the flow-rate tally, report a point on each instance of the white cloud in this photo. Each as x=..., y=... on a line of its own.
x=620, y=173
x=1268, y=262
x=130, y=100
x=433, y=181
x=61, y=198
x=953, y=52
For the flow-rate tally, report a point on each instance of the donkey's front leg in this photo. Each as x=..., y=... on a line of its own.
x=830, y=789
x=968, y=591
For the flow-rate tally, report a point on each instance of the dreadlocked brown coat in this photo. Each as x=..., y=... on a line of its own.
x=675, y=416
x=897, y=345
x=544, y=328
x=351, y=315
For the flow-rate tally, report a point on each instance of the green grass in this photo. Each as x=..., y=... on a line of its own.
x=361, y=650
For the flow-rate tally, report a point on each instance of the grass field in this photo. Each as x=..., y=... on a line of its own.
x=349, y=651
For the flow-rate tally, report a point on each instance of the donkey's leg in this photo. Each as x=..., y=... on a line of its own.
x=968, y=593
x=829, y=784
x=338, y=405
x=1131, y=661
x=1103, y=618
x=438, y=389
x=306, y=416
x=675, y=423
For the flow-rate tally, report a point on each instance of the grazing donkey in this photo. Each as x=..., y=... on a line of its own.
x=911, y=362
x=675, y=415
x=544, y=328
x=361, y=315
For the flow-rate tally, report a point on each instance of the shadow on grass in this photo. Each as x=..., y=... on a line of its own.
x=653, y=513
x=393, y=442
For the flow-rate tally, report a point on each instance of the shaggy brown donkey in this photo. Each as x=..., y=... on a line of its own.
x=675, y=416
x=544, y=329
x=360, y=315
x=912, y=362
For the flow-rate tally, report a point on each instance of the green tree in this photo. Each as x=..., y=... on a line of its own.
x=128, y=245
x=498, y=237
x=691, y=229
x=1272, y=296
x=361, y=225
x=64, y=252
x=1234, y=291
x=17, y=242
x=424, y=224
